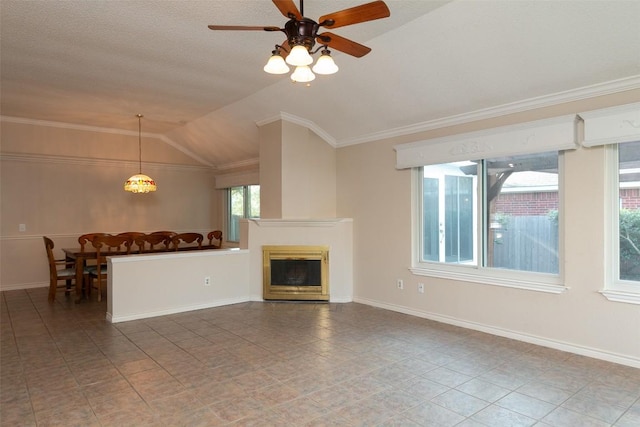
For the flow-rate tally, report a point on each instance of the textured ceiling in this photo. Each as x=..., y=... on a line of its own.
x=99, y=63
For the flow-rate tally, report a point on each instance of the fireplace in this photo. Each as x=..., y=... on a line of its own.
x=296, y=273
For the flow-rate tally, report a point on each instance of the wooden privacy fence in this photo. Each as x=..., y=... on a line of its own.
x=527, y=243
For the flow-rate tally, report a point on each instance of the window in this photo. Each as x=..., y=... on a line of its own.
x=626, y=218
x=487, y=204
x=242, y=202
x=618, y=130
x=517, y=207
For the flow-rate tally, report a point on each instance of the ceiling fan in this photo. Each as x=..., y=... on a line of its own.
x=302, y=35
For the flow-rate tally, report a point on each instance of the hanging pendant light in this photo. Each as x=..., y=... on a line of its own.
x=140, y=183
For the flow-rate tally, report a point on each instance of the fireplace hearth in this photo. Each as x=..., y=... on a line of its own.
x=296, y=273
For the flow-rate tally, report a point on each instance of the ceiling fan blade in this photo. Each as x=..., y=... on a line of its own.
x=343, y=45
x=355, y=15
x=288, y=8
x=242, y=28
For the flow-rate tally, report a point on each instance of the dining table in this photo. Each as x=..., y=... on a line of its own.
x=80, y=258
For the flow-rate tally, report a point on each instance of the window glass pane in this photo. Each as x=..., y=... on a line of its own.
x=458, y=218
x=254, y=201
x=430, y=229
x=629, y=214
x=521, y=226
x=236, y=211
x=448, y=212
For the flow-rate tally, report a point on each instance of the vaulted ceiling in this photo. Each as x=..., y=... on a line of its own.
x=99, y=63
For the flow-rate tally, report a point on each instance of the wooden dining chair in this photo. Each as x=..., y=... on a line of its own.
x=152, y=242
x=88, y=238
x=185, y=239
x=168, y=234
x=56, y=274
x=215, y=235
x=133, y=235
x=105, y=246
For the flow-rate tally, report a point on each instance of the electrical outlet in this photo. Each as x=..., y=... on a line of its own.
x=400, y=284
x=421, y=288
x=22, y=227
x=207, y=281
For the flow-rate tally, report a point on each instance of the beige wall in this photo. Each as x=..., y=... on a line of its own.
x=297, y=173
x=378, y=198
x=66, y=182
x=271, y=170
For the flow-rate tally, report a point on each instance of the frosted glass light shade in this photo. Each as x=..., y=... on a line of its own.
x=325, y=65
x=299, y=56
x=140, y=183
x=276, y=65
x=302, y=74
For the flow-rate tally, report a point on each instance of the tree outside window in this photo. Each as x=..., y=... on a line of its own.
x=242, y=202
x=629, y=211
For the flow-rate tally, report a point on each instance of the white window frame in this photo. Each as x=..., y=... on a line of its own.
x=246, y=208
x=609, y=127
x=615, y=289
x=477, y=273
x=556, y=134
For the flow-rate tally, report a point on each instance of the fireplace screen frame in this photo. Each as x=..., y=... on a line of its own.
x=283, y=291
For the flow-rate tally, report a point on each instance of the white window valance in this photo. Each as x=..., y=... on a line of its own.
x=611, y=125
x=539, y=136
x=237, y=180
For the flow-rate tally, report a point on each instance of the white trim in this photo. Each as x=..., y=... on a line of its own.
x=553, y=134
x=237, y=165
x=600, y=89
x=301, y=122
x=482, y=276
x=507, y=333
x=86, y=161
x=86, y=128
x=611, y=125
x=615, y=290
x=620, y=296
x=237, y=179
x=19, y=286
x=146, y=315
x=124, y=259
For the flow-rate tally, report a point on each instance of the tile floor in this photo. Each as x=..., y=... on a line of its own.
x=290, y=364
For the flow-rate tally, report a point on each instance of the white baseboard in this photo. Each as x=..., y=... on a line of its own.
x=18, y=286
x=519, y=336
x=145, y=315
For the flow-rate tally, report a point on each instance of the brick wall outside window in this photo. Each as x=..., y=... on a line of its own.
x=540, y=203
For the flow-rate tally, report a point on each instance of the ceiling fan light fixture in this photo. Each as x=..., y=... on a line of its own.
x=276, y=64
x=325, y=64
x=299, y=56
x=302, y=74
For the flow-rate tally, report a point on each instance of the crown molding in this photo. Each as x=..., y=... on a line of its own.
x=87, y=128
x=600, y=89
x=286, y=117
x=238, y=165
x=85, y=161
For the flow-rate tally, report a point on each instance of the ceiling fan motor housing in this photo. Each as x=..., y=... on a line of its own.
x=302, y=32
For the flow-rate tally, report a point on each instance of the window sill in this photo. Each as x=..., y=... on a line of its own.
x=474, y=276
x=619, y=296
